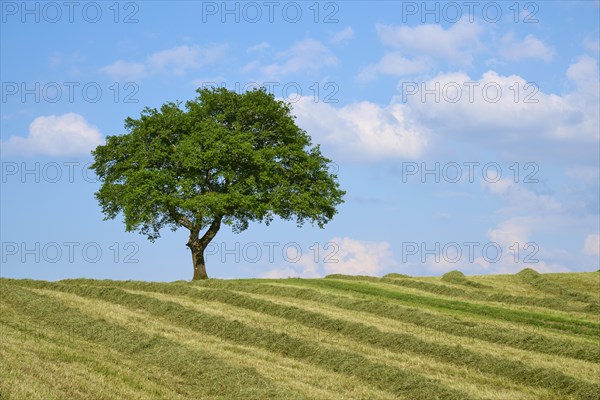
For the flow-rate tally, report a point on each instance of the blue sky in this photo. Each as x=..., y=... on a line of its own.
x=466, y=134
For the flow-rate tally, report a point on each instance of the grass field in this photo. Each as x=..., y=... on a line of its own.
x=522, y=336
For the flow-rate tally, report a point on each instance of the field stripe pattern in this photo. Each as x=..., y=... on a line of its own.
x=523, y=336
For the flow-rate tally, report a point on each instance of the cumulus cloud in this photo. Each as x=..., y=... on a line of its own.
x=175, y=61
x=585, y=76
x=531, y=220
x=63, y=135
x=343, y=36
x=503, y=111
x=521, y=197
x=530, y=47
x=258, y=47
x=587, y=175
x=514, y=230
x=457, y=43
x=364, y=130
x=304, y=268
x=393, y=63
x=340, y=256
x=356, y=257
x=426, y=44
x=591, y=245
x=506, y=109
x=499, y=187
x=307, y=55
x=518, y=250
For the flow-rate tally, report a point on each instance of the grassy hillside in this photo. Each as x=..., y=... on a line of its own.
x=523, y=336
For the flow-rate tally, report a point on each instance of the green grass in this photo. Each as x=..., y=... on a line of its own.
x=523, y=336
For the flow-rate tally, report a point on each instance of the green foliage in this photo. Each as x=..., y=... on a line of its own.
x=239, y=157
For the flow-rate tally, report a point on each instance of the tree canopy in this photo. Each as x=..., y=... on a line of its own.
x=225, y=158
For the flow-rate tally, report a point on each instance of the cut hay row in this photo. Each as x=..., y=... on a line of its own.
x=521, y=338
x=481, y=295
x=309, y=381
x=478, y=385
x=153, y=350
x=536, y=319
x=393, y=380
x=395, y=342
x=580, y=369
x=524, y=336
x=545, y=285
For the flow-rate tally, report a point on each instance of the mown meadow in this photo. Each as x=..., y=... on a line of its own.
x=521, y=336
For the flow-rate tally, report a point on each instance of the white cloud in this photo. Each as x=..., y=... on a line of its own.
x=490, y=108
x=341, y=256
x=305, y=267
x=356, y=257
x=529, y=47
x=364, y=131
x=64, y=135
x=518, y=250
x=585, y=76
x=307, y=55
x=393, y=64
x=258, y=47
x=125, y=70
x=251, y=66
x=591, y=245
x=592, y=45
x=427, y=43
x=588, y=175
x=343, y=36
x=504, y=112
x=457, y=43
x=521, y=197
x=177, y=61
x=499, y=187
x=514, y=230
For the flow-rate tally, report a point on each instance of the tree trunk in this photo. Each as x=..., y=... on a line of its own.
x=198, y=261
x=198, y=244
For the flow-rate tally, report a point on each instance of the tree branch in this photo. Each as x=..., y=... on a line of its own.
x=212, y=231
x=181, y=219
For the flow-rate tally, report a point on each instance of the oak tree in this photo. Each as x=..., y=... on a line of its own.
x=224, y=158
